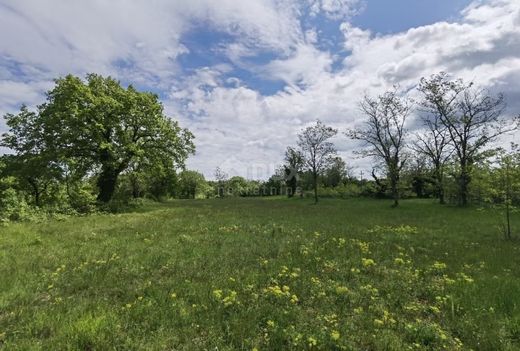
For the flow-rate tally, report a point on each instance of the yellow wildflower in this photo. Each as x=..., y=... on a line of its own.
x=368, y=262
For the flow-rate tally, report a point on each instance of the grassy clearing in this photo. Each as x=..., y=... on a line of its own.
x=265, y=274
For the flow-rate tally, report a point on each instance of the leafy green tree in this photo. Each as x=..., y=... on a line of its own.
x=160, y=180
x=508, y=185
x=317, y=150
x=237, y=186
x=336, y=173
x=419, y=177
x=496, y=182
x=103, y=128
x=294, y=162
x=190, y=184
x=274, y=185
x=32, y=164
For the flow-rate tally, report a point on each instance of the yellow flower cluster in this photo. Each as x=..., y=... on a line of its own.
x=368, y=262
x=228, y=299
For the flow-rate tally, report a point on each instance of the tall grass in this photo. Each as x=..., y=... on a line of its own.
x=265, y=274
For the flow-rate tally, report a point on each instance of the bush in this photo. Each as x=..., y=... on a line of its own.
x=343, y=191
x=13, y=206
x=82, y=199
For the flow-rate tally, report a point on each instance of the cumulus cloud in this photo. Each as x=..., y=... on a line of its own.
x=238, y=126
x=334, y=8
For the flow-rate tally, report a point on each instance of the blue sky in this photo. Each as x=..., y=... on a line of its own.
x=383, y=16
x=246, y=76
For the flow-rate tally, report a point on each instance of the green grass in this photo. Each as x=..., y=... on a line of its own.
x=270, y=274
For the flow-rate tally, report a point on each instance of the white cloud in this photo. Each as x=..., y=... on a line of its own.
x=479, y=48
x=235, y=125
x=304, y=67
x=335, y=9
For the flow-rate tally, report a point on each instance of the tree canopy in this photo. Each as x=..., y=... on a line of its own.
x=96, y=126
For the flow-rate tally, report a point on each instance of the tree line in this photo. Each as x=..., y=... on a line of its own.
x=95, y=144
x=458, y=124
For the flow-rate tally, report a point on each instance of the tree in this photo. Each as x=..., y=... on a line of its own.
x=190, y=184
x=418, y=175
x=220, y=177
x=103, y=128
x=237, y=186
x=472, y=117
x=336, y=172
x=384, y=134
x=317, y=150
x=275, y=184
x=32, y=164
x=508, y=183
x=160, y=178
x=294, y=163
x=434, y=144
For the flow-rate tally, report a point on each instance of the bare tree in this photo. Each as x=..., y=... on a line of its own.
x=294, y=162
x=434, y=144
x=472, y=117
x=384, y=134
x=221, y=178
x=316, y=150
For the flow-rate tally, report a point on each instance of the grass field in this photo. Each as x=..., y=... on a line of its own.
x=265, y=274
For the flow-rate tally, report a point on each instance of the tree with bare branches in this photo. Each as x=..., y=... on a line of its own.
x=473, y=118
x=384, y=134
x=316, y=150
x=434, y=143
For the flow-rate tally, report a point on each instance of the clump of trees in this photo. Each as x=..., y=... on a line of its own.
x=85, y=137
x=471, y=117
x=448, y=156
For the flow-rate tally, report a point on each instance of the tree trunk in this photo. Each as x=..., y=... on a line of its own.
x=508, y=199
x=440, y=187
x=135, y=186
x=394, y=183
x=107, y=183
x=442, y=201
x=36, y=191
x=464, y=180
x=315, y=183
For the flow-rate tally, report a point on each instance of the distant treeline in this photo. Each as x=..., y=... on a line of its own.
x=95, y=145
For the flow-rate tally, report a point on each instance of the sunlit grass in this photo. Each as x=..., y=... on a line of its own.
x=250, y=273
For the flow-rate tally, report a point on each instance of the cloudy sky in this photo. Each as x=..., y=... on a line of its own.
x=246, y=75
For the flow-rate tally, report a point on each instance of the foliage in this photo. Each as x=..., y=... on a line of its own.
x=191, y=185
x=13, y=206
x=97, y=126
x=336, y=173
x=294, y=163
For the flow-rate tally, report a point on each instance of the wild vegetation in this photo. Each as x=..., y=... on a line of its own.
x=97, y=251
x=95, y=145
x=262, y=273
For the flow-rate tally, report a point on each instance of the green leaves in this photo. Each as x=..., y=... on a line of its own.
x=101, y=126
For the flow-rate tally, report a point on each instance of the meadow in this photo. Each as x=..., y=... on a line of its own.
x=262, y=274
